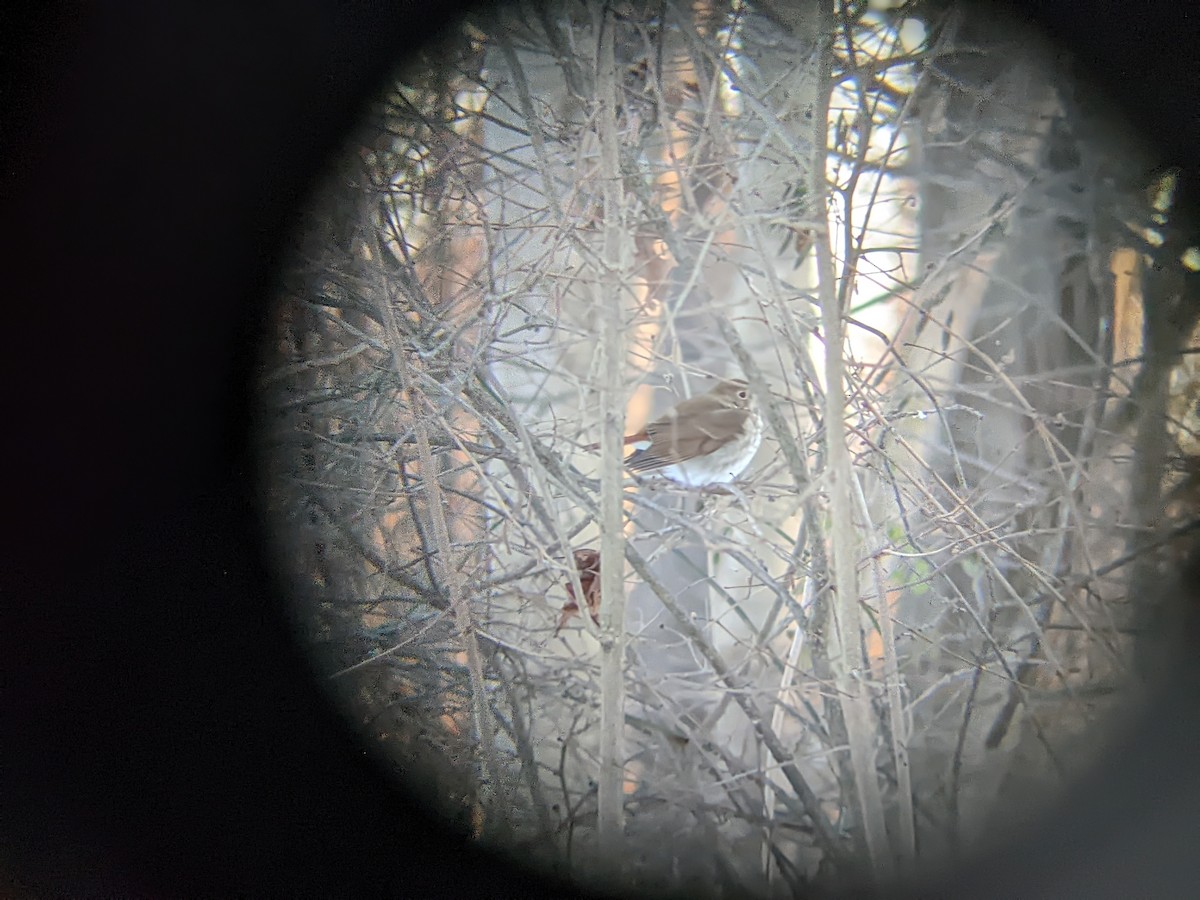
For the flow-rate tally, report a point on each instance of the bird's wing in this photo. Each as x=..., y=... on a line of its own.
x=688, y=440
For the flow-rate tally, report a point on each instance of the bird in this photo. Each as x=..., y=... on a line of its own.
x=706, y=440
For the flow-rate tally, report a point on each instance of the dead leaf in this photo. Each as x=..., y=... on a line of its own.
x=587, y=563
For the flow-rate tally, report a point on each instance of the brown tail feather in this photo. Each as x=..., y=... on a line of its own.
x=629, y=439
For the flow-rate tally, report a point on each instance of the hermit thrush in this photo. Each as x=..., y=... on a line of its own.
x=709, y=439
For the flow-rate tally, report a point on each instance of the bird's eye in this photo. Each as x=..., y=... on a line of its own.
x=742, y=395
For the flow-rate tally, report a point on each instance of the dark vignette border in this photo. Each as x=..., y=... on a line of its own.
x=162, y=735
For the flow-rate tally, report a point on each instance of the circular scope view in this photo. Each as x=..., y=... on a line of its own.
x=735, y=448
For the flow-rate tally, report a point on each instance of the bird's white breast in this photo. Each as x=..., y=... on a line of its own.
x=722, y=467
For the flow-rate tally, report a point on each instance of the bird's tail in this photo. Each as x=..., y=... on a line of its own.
x=629, y=439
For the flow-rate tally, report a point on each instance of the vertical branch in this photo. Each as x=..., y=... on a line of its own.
x=611, y=358
x=896, y=718
x=844, y=646
x=1162, y=343
x=447, y=571
x=770, y=792
x=524, y=743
